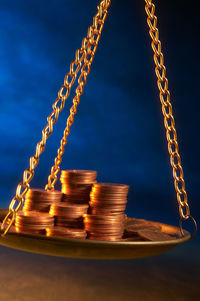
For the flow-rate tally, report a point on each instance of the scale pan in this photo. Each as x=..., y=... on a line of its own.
x=91, y=249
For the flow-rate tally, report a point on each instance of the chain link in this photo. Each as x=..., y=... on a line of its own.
x=90, y=40
x=169, y=122
x=94, y=36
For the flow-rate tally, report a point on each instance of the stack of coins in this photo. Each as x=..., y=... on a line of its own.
x=104, y=227
x=66, y=232
x=40, y=200
x=108, y=199
x=68, y=214
x=76, y=184
x=33, y=222
x=107, y=205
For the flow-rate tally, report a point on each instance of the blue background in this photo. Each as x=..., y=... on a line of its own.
x=119, y=129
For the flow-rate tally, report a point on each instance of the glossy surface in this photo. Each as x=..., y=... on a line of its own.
x=91, y=249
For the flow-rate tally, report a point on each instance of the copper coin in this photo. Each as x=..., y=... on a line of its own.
x=33, y=225
x=33, y=207
x=97, y=211
x=108, y=207
x=149, y=227
x=77, y=187
x=102, y=219
x=66, y=232
x=139, y=224
x=103, y=195
x=106, y=202
x=78, y=176
x=29, y=231
x=73, y=224
x=33, y=216
x=154, y=236
x=134, y=238
x=68, y=209
x=43, y=194
x=110, y=187
x=105, y=238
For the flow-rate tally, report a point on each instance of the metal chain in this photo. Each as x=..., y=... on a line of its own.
x=58, y=106
x=169, y=122
x=94, y=36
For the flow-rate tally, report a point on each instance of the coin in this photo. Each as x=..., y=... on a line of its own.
x=111, y=187
x=74, y=210
x=66, y=232
x=154, y=236
x=78, y=176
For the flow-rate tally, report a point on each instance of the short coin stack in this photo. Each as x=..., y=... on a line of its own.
x=106, y=227
x=108, y=199
x=40, y=200
x=76, y=185
x=33, y=222
x=68, y=214
x=107, y=205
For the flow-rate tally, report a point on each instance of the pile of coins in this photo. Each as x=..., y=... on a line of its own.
x=33, y=222
x=107, y=205
x=66, y=232
x=68, y=214
x=142, y=230
x=40, y=200
x=76, y=185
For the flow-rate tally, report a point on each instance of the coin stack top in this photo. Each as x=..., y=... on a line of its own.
x=40, y=200
x=76, y=184
x=107, y=205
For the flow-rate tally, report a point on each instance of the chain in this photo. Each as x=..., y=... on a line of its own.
x=91, y=40
x=94, y=36
x=169, y=122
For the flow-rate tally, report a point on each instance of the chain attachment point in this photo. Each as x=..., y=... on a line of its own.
x=194, y=223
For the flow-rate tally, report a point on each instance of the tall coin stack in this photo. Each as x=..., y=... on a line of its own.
x=76, y=185
x=107, y=205
x=40, y=200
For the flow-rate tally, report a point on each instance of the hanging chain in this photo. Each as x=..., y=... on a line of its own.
x=88, y=42
x=169, y=122
x=94, y=36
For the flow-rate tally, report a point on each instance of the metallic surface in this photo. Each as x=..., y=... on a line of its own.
x=91, y=249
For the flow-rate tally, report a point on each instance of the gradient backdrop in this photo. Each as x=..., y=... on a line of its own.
x=119, y=129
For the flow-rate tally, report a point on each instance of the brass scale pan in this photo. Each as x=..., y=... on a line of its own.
x=91, y=249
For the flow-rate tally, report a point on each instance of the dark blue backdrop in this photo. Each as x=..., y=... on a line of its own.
x=118, y=130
